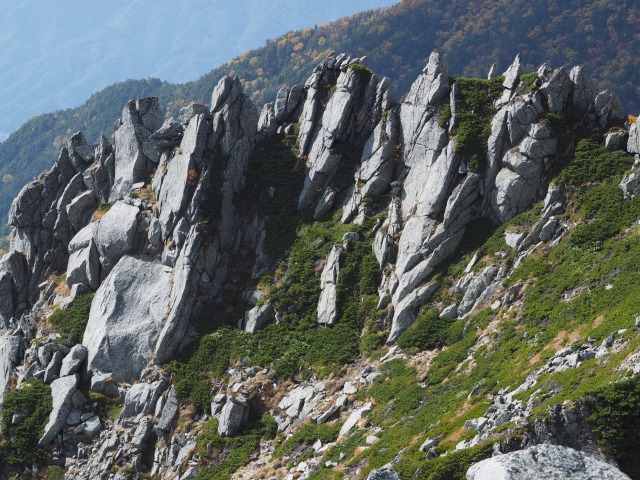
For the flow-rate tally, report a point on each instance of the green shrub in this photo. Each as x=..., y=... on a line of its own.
x=362, y=70
x=372, y=341
x=107, y=407
x=307, y=435
x=397, y=389
x=273, y=184
x=53, y=472
x=610, y=211
x=474, y=111
x=33, y=400
x=221, y=457
x=528, y=80
x=454, y=466
x=616, y=422
x=73, y=320
x=563, y=120
x=592, y=162
x=210, y=358
x=429, y=331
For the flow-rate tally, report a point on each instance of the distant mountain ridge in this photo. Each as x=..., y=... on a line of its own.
x=54, y=56
x=602, y=36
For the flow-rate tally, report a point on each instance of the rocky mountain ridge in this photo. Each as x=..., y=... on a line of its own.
x=166, y=234
x=602, y=39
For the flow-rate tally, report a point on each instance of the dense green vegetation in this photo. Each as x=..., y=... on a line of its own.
x=428, y=332
x=73, y=320
x=616, y=422
x=274, y=179
x=33, y=402
x=474, y=111
x=222, y=456
x=592, y=162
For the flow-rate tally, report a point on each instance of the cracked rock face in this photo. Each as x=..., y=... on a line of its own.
x=126, y=317
x=544, y=461
x=134, y=148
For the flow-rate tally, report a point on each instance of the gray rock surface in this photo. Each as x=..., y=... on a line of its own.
x=544, y=461
x=556, y=90
x=53, y=368
x=116, y=234
x=126, y=317
x=432, y=85
x=258, y=317
x=169, y=134
x=83, y=267
x=141, y=398
x=62, y=391
x=73, y=361
x=233, y=415
x=169, y=411
x=8, y=346
x=384, y=473
x=328, y=284
x=633, y=143
x=182, y=298
x=172, y=185
x=583, y=93
x=134, y=149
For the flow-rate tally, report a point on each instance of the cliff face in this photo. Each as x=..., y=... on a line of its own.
x=166, y=231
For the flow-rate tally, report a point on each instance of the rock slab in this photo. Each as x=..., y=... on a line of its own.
x=551, y=462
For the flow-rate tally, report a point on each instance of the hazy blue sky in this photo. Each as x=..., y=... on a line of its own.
x=54, y=54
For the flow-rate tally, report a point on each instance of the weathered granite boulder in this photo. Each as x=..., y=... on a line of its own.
x=62, y=391
x=142, y=398
x=258, y=317
x=73, y=361
x=115, y=234
x=327, y=309
x=544, y=461
x=384, y=473
x=233, y=415
x=134, y=149
x=126, y=317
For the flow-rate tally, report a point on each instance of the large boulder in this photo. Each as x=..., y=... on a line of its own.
x=233, y=415
x=9, y=345
x=551, y=462
x=384, y=473
x=134, y=149
x=62, y=391
x=73, y=361
x=142, y=398
x=258, y=317
x=126, y=317
x=327, y=309
x=116, y=234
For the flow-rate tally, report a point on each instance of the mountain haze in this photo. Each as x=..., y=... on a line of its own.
x=55, y=55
